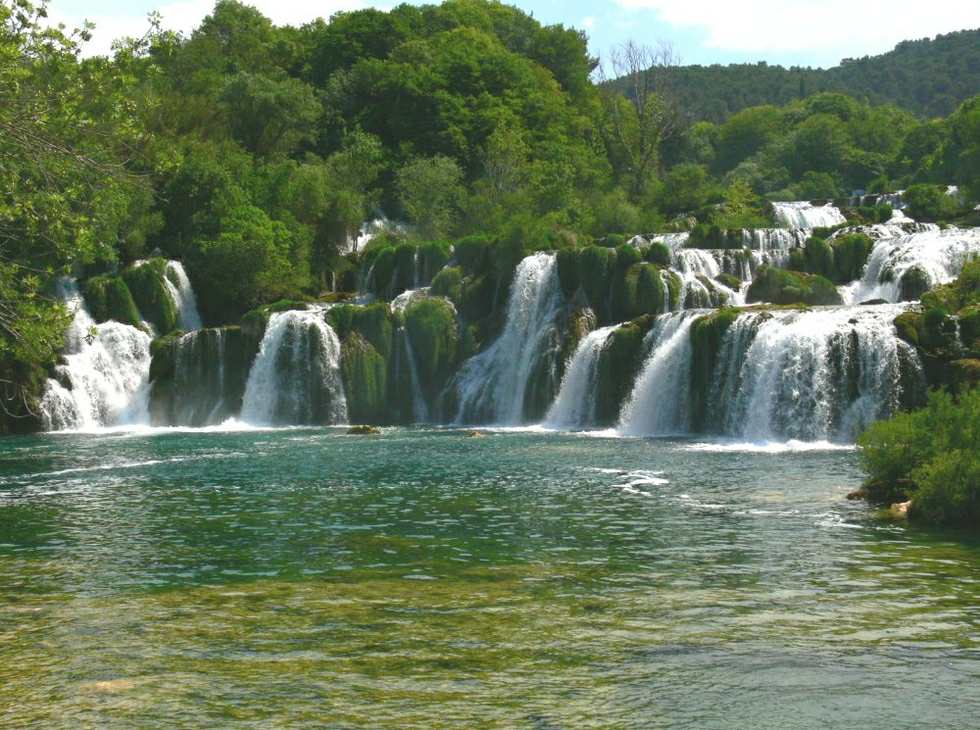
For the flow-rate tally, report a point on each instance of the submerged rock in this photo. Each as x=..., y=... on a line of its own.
x=364, y=431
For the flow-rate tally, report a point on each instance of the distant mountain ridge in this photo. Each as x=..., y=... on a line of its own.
x=929, y=77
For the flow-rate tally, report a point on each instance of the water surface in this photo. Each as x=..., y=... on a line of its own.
x=427, y=579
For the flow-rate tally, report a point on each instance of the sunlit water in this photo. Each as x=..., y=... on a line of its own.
x=426, y=579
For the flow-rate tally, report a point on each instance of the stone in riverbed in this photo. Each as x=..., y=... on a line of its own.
x=364, y=431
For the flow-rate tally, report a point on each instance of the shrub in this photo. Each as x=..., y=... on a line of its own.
x=929, y=456
x=929, y=203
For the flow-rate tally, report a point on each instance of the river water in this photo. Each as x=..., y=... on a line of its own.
x=427, y=579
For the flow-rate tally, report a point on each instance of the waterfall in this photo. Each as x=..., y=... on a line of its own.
x=409, y=297
x=658, y=405
x=673, y=241
x=575, y=405
x=420, y=410
x=938, y=256
x=105, y=375
x=295, y=379
x=180, y=289
x=200, y=380
x=492, y=384
x=812, y=375
x=695, y=266
x=806, y=215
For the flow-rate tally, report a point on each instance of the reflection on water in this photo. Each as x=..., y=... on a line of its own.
x=426, y=579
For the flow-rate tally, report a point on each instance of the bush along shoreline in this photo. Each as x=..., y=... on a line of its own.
x=925, y=464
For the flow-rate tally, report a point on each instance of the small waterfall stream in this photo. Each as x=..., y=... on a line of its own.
x=575, y=406
x=179, y=286
x=492, y=384
x=295, y=379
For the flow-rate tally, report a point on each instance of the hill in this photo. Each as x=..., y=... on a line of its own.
x=928, y=77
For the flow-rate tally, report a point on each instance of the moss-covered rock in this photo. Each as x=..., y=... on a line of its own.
x=619, y=364
x=365, y=375
x=108, y=297
x=659, y=254
x=597, y=267
x=147, y=284
x=432, y=327
x=914, y=283
x=641, y=291
x=448, y=283
x=729, y=280
x=707, y=335
x=851, y=253
x=779, y=286
x=373, y=322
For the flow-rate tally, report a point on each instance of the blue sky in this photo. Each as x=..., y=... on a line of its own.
x=804, y=32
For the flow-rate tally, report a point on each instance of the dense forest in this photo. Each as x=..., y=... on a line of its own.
x=928, y=77
x=253, y=154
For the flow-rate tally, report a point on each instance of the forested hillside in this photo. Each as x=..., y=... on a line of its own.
x=253, y=154
x=928, y=77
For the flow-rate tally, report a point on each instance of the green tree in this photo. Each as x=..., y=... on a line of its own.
x=430, y=189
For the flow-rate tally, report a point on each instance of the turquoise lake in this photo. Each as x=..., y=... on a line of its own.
x=425, y=578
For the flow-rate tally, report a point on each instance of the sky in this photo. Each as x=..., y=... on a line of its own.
x=815, y=33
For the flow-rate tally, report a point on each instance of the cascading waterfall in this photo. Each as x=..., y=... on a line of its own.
x=938, y=256
x=802, y=214
x=420, y=409
x=105, y=376
x=295, y=379
x=575, y=405
x=492, y=384
x=658, y=405
x=822, y=374
x=180, y=289
x=698, y=269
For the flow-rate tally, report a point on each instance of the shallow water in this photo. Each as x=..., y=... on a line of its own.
x=426, y=579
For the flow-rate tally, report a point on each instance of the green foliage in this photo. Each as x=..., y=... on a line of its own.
x=365, y=375
x=659, y=254
x=151, y=294
x=929, y=456
x=619, y=364
x=707, y=334
x=778, y=286
x=431, y=325
x=108, y=297
x=430, y=190
x=929, y=203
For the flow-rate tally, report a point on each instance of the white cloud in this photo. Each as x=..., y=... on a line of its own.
x=849, y=27
x=588, y=23
x=186, y=16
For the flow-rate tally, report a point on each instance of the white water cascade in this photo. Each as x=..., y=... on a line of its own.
x=822, y=374
x=698, y=268
x=937, y=255
x=806, y=215
x=295, y=379
x=105, y=376
x=492, y=384
x=658, y=405
x=575, y=405
x=180, y=289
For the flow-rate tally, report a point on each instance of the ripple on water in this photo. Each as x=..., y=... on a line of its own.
x=423, y=579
